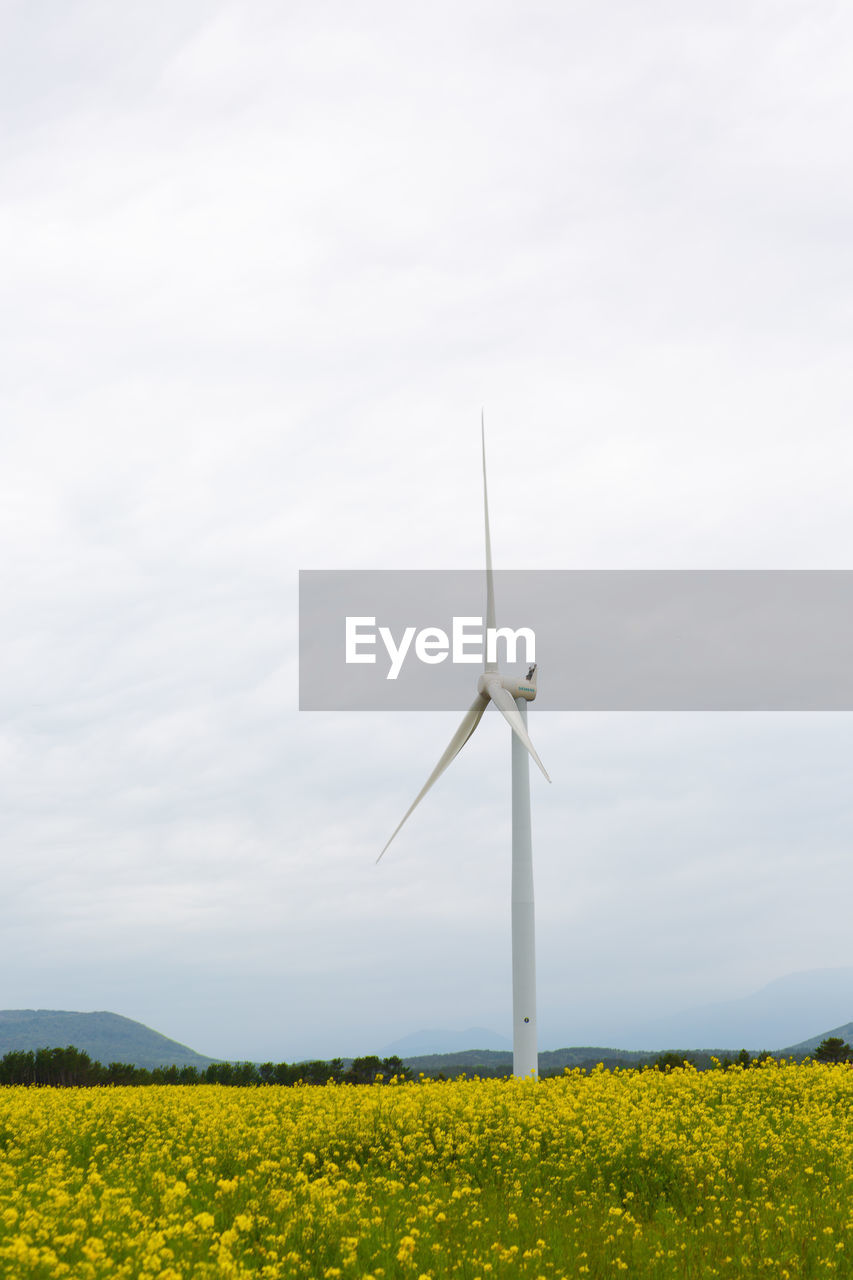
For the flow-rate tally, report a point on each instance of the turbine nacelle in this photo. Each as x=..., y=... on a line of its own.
x=517, y=686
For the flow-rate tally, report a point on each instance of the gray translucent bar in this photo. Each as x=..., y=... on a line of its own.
x=610, y=640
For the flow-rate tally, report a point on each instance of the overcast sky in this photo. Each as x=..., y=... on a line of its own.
x=262, y=265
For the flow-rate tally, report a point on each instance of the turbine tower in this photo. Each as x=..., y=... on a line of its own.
x=511, y=698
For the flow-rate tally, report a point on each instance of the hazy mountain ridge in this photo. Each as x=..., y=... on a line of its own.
x=778, y=1013
x=420, y=1044
x=479, y=1061
x=761, y=1021
x=551, y=1061
x=808, y=1046
x=106, y=1037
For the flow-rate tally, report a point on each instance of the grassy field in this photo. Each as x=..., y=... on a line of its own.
x=738, y=1172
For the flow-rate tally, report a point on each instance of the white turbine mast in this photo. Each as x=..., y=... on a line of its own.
x=511, y=697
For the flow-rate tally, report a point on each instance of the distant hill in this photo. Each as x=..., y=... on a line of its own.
x=808, y=1046
x=421, y=1043
x=485, y=1062
x=775, y=1015
x=480, y=1061
x=468, y=1060
x=106, y=1037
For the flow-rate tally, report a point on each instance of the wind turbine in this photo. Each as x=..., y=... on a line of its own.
x=511, y=698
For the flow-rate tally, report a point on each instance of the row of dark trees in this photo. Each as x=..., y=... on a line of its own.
x=705, y=1061
x=832, y=1049
x=73, y=1067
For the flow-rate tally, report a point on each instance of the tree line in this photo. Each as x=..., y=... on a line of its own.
x=73, y=1067
x=832, y=1049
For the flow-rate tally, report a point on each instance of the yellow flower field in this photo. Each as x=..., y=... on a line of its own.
x=738, y=1172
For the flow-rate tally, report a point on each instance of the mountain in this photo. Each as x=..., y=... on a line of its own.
x=106, y=1037
x=499, y=1061
x=421, y=1043
x=809, y=1046
x=777, y=1014
x=485, y=1062
x=781, y=1013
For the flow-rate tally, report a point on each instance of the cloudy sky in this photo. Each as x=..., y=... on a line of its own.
x=262, y=265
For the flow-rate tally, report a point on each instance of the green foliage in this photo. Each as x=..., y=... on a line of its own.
x=72, y=1067
x=833, y=1049
x=107, y=1037
x=670, y=1060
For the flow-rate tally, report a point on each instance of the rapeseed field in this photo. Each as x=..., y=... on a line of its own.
x=651, y=1174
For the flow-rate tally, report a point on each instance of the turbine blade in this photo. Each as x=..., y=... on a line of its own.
x=505, y=703
x=470, y=720
x=490, y=577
